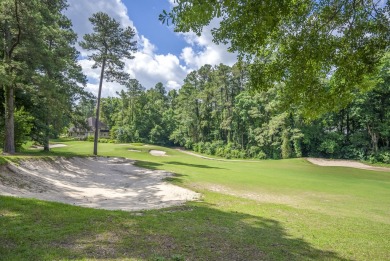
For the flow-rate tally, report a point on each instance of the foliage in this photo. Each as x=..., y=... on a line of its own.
x=322, y=51
x=39, y=71
x=216, y=113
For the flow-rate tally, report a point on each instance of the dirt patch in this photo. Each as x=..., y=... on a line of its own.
x=106, y=183
x=158, y=153
x=131, y=150
x=344, y=163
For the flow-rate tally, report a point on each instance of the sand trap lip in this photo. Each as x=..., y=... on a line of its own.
x=106, y=183
x=344, y=163
x=158, y=153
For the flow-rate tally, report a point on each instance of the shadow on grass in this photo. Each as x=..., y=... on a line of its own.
x=192, y=165
x=148, y=164
x=37, y=230
x=52, y=153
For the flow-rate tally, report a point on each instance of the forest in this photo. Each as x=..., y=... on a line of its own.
x=216, y=112
x=219, y=110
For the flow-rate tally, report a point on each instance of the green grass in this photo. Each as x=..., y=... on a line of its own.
x=262, y=210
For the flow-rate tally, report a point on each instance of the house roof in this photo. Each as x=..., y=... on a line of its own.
x=90, y=126
x=91, y=123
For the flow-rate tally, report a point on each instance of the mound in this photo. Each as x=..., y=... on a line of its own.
x=106, y=183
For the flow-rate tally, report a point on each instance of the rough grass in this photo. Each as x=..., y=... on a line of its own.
x=265, y=210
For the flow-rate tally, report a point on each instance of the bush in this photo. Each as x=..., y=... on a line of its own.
x=253, y=151
x=189, y=144
x=217, y=148
x=198, y=147
x=297, y=148
x=261, y=155
x=235, y=154
x=220, y=152
x=384, y=157
x=242, y=154
x=208, y=149
x=103, y=140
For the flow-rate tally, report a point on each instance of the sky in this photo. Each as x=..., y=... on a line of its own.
x=162, y=56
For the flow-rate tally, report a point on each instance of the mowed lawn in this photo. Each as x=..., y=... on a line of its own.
x=260, y=210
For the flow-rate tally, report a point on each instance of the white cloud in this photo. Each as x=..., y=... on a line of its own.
x=209, y=53
x=148, y=66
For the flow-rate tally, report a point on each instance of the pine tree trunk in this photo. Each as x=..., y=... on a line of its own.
x=46, y=139
x=9, y=143
x=95, y=142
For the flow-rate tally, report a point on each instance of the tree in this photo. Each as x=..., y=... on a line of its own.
x=18, y=22
x=110, y=44
x=323, y=51
x=59, y=81
x=39, y=65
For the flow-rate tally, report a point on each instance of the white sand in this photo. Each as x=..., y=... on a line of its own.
x=344, y=163
x=58, y=145
x=158, y=153
x=106, y=183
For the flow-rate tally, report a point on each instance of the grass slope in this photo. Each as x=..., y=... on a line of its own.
x=264, y=210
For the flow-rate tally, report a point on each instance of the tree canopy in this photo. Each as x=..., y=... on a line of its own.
x=321, y=51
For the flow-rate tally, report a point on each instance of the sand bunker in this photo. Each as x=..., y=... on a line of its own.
x=344, y=163
x=158, y=153
x=58, y=145
x=106, y=183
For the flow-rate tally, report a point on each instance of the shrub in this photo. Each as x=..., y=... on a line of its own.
x=297, y=148
x=208, y=149
x=201, y=147
x=261, y=155
x=220, y=152
x=384, y=157
x=235, y=154
x=242, y=154
x=189, y=144
x=286, y=146
x=253, y=151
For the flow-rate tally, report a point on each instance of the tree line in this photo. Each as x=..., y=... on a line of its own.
x=217, y=112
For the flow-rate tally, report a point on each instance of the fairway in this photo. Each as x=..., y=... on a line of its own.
x=255, y=210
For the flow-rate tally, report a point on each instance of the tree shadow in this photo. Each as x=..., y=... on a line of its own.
x=195, y=231
x=148, y=164
x=191, y=165
x=51, y=153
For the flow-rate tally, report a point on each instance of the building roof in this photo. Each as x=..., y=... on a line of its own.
x=90, y=126
x=91, y=123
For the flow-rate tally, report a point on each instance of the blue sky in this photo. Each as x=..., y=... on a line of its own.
x=145, y=14
x=163, y=55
